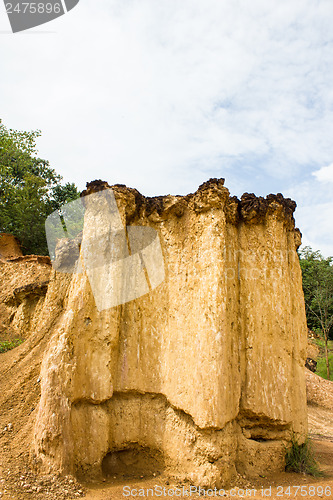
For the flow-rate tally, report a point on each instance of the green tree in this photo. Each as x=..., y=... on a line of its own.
x=317, y=274
x=29, y=189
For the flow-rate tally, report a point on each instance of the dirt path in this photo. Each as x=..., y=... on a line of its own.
x=320, y=422
x=278, y=486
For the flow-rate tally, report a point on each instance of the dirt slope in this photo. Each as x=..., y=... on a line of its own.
x=20, y=392
x=319, y=390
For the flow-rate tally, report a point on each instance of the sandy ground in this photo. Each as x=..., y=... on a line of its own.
x=277, y=486
x=19, y=396
x=320, y=422
x=18, y=483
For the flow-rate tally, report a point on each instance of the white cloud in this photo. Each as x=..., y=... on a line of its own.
x=316, y=223
x=314, y=213
x=324, y=174
x=162, y=95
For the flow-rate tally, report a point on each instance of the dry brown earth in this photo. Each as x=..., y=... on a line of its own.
x=19, y=395
x=9, y=246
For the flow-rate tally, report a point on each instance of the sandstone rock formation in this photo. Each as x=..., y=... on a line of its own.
x=9, y=246
x=201, y=376
x=23, y=286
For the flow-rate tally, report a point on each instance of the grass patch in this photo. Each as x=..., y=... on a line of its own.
x=321, y=344
x=300, y=458
x=321, y=366
x=321, y=360
x=7, y=345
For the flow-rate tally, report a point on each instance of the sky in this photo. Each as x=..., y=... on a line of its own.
x=161, y=95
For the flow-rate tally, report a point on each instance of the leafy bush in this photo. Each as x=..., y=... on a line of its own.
x=30, y=190
x=7, y=345
x=300, y=458
x=317, y=279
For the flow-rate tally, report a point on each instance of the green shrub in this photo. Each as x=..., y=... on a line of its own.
x=300, y=458
x=321, y=367
x=321, y=360
x=7, y=345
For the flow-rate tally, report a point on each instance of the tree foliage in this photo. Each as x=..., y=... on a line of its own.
x=317, y=274
x=29, y=189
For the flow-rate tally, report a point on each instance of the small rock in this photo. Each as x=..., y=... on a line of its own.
x=10, y=426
